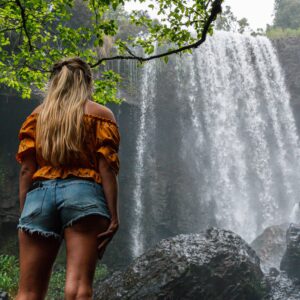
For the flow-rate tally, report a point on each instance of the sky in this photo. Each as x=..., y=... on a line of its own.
x=258, y=12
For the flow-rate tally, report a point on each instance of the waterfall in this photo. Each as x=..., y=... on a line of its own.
x=254, y=150
x=217, y=143
x=145, y=128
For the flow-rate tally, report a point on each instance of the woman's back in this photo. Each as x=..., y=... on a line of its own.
x=102, y=137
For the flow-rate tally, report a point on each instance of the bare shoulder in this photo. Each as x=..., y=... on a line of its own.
x=103, y=112
x=37, y=109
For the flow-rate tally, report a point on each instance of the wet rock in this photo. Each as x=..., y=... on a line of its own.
x=215, y=264
x=291, y=259
x=273, y=272
x=3, y=295
x=270, y=246
x=282, y=287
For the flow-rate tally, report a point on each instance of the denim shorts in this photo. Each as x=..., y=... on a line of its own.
x=54, y=204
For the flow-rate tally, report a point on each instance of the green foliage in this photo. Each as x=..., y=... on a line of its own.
x=279, y=33
x=34, y=34
x=227, y=21
x=106, y=87
x=58, y=279
x=287, y=14
x=9, y=273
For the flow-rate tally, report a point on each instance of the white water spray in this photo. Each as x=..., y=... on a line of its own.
x=238, y=158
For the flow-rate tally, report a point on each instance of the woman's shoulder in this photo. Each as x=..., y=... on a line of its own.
x=102, y=111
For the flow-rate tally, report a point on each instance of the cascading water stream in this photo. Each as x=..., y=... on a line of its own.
x=253, y=144
x=145, y=128
x=233, y=153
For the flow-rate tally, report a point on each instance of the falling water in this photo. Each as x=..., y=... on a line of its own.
x=252, y=144
x=237, y=158
x=148, y=92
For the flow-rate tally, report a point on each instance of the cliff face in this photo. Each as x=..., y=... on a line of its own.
x=13, y=112
x=288, y=50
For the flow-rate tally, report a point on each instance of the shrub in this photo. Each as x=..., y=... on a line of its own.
x=9, y=274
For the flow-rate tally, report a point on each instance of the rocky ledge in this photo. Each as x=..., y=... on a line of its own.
x=213, y=265
x=291, y=258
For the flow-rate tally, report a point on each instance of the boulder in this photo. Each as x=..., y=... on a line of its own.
x=290, y=262
x=212, y=265
x=282, y=287
x=270, y=246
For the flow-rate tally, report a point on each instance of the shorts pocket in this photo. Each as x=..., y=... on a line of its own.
x=33, y=203
x=80, y=196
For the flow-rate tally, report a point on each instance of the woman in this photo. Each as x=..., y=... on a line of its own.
x=67, y=185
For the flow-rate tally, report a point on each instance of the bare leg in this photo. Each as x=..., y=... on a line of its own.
x=81, y=245
x=37, y=255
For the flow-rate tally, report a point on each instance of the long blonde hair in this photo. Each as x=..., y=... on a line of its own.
x=60, y=128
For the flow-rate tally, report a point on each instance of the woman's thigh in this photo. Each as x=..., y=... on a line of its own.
x=82, y=256
x=37, y=255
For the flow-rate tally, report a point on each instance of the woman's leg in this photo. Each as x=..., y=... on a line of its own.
x=81, y=246
x=36, y=255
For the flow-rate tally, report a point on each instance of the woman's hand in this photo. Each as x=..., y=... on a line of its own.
x=105, y=237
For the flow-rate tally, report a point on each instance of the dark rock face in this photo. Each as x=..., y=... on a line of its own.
x=289, y=56
x=213, y=265
x=291, y=259
x=270, y=246
x=13, y=112
x=3, y=296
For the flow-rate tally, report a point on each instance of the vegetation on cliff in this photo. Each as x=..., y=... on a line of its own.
x=286, y=20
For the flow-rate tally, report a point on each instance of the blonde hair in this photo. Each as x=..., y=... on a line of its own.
x=60, y=127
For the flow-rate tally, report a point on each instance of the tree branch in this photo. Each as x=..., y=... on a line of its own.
x=23, y=16
x=10, y=29
x=216, y=9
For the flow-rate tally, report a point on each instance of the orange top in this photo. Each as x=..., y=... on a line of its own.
x=102, y=138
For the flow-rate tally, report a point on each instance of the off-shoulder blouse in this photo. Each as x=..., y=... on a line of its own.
x=102, y=138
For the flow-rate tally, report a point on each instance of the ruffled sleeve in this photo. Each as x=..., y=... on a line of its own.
x=107, y=141
x=26, y=137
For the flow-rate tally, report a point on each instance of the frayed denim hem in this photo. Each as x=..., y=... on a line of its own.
x=38, y=231
x=84, y=215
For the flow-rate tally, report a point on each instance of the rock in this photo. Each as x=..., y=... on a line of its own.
x=3, y=295
x=274, y=272
x=270, y=246
x=282, y=287
x=213, y=265
x=289, y=57
x=291, y=259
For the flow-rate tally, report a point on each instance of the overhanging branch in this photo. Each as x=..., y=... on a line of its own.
x=23, y=16
x=216, y=9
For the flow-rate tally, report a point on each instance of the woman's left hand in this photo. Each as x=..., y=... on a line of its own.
x=105, y=237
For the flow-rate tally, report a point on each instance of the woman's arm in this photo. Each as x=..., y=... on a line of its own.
x=28, y=168
x=110, y=187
